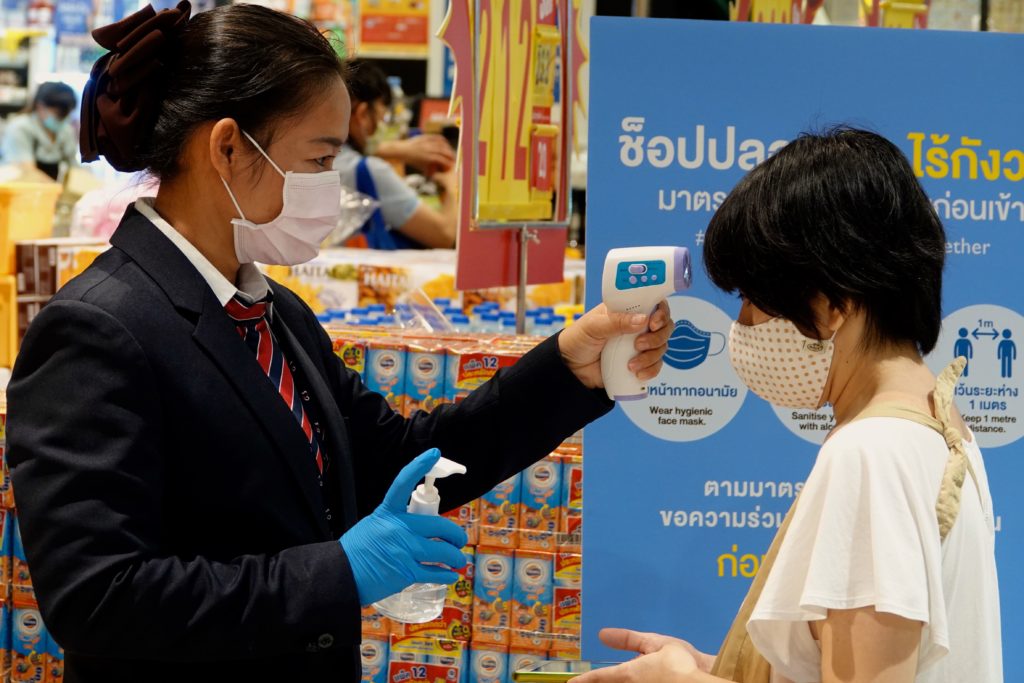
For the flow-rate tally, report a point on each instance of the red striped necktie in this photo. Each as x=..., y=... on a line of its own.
x=251, y=322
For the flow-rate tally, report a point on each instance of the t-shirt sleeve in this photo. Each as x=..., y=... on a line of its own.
x=864, y=534
x=397, y=200
x=17, y=145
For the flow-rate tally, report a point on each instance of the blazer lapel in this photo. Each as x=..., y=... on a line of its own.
x=340, y=448
x=217, y=336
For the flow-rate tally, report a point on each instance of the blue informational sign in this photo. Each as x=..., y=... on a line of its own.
x=449, y=71
x=686, y=488
x=71, y=18
x=122, y=8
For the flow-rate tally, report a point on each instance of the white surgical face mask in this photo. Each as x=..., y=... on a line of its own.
x=780, y=364
x=312, y=206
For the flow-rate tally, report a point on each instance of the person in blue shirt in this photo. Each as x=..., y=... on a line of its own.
x=403, y=221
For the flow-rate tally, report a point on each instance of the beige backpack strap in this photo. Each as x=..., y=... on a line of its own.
x=958, y=465
x=948, y=506
x=738, y=660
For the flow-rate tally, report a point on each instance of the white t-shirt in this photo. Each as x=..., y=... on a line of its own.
x=865, y=533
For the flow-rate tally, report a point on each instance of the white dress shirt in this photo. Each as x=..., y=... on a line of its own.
x=252, y=285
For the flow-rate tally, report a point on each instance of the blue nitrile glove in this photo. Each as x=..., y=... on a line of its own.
x=386, y=549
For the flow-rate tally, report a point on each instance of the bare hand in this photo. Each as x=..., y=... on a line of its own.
x=581, y=343
x=446, y=181
x=427, y=153
x=662, y=658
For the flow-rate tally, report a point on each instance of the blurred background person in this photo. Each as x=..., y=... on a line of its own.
x=43, y=139
x=403, y=220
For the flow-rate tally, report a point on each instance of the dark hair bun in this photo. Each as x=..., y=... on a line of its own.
x=122, y=100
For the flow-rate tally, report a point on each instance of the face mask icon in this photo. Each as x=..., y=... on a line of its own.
x=689, y=346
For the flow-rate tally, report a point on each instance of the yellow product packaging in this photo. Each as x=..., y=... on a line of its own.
x=566, y=600
x=331, y=280
x=565, y=647
x=425, y=660
x=26, y=213
x=8, y=320
x=570, y=522
x=352, y=352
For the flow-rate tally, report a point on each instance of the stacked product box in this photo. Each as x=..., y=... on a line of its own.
x=27, y=652
x=44, y=266
x=375, y=654
x=519, y=602
x=419, y=659
x=425, y=377
x=415, y=371
x=570, y=520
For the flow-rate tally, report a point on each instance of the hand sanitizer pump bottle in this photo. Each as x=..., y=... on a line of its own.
x=422, y=602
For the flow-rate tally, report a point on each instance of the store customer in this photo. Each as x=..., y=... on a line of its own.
x=403, y=221
x=42, y=139
x=886, y=572
x=185, y=519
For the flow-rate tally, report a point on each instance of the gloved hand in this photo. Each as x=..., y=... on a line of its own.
x=387, y=549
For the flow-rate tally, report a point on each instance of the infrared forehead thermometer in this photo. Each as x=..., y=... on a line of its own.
x=635, y=281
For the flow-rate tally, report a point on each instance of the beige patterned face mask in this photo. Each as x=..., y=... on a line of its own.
x=780, y=364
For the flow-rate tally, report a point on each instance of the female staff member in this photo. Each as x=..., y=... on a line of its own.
x=181, y=513
x=887, y=572
x=43, y=138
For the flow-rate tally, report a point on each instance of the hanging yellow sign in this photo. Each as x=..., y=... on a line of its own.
x=518, y=50
x=893, y=14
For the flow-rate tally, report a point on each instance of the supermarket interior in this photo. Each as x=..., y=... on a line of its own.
x=450, y=262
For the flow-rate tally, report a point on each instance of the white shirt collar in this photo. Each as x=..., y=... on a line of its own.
x=252, y=284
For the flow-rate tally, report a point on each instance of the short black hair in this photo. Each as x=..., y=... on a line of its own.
x=366, y=82
x=57, y=96
x=842, y=214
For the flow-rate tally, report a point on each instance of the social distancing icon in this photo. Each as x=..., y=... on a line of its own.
x=989, y=392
